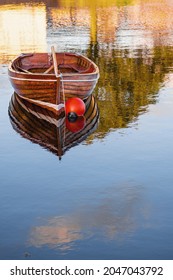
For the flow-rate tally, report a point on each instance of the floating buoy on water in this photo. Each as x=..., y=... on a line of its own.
x=75, y=125
x=75, y=107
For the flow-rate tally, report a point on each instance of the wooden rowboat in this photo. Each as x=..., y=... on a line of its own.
x=53, y=77
x=49, y=128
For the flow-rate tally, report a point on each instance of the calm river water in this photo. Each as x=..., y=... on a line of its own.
x=110, y=196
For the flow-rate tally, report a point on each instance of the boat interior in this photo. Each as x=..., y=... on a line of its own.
x=42, y=63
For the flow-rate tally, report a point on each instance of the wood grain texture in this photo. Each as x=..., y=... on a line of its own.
x=33, y=76
x=47, y=127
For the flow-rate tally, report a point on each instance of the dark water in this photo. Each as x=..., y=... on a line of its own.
x=110, y=196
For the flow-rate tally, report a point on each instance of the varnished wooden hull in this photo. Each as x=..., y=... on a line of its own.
x=77, y=76
x=49, y=128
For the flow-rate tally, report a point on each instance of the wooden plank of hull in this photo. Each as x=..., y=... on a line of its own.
x=47, y=91
x=82, y=90
x=79, y=86
x=39, y=91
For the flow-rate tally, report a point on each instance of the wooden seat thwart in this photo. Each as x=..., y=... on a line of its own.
x=48, y=70
x=75, y=67
x=70, y=66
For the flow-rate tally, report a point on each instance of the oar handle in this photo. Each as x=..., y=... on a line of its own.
x=55, y=65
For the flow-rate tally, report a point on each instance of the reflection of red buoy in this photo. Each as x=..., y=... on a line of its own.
x=75, y=105
x=75, y=125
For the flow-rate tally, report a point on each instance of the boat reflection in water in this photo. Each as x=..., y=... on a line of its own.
x=43, y=124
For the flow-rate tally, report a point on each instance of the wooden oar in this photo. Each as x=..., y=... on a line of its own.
x=55, y=65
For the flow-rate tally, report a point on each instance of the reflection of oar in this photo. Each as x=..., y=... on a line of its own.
x=60, y=144
x=55, y=65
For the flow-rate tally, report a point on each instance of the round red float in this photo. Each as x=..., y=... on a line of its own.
x=77, y=125
x=75, y=105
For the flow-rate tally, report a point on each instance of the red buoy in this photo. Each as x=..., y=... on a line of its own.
x=75, y=105
x=75, y=125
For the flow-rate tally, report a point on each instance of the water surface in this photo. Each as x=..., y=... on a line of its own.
x=110, y=196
